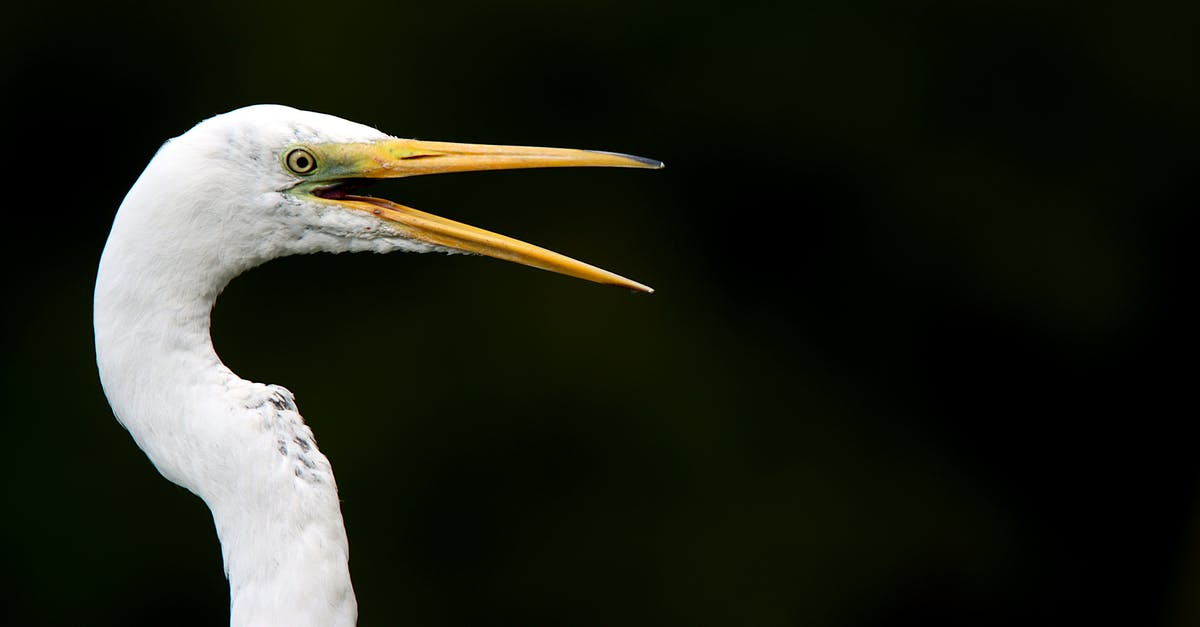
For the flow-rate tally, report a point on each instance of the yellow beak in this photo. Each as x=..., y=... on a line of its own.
x=396, y=158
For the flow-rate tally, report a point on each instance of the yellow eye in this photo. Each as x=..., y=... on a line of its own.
x=301, y=161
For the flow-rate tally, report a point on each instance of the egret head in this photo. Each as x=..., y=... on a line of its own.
x=267, y=181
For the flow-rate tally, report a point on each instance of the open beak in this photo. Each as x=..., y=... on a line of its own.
x=341, y=164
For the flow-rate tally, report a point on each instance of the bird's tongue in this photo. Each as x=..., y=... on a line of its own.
x=342, y=189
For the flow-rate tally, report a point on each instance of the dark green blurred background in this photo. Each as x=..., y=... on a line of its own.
x=909, y=362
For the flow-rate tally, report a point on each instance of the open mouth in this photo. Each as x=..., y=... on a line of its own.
x=456, y=236
x=346, y=191
x=342, y=189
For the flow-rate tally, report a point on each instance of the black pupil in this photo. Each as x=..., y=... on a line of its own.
x=302, y=162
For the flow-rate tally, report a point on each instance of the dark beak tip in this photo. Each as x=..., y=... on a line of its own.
x=641, y=161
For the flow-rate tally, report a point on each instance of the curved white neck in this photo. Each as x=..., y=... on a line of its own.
x=240, y=446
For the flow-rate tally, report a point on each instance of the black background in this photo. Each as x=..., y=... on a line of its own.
x=914, y=357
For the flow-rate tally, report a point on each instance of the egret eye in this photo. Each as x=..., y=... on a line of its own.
x=301, y=161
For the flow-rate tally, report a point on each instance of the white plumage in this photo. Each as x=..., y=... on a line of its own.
x=213, y=203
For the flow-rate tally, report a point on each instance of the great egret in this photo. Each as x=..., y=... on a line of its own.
x=231, y=193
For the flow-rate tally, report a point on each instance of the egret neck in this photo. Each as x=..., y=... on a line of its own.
x=240, y=446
